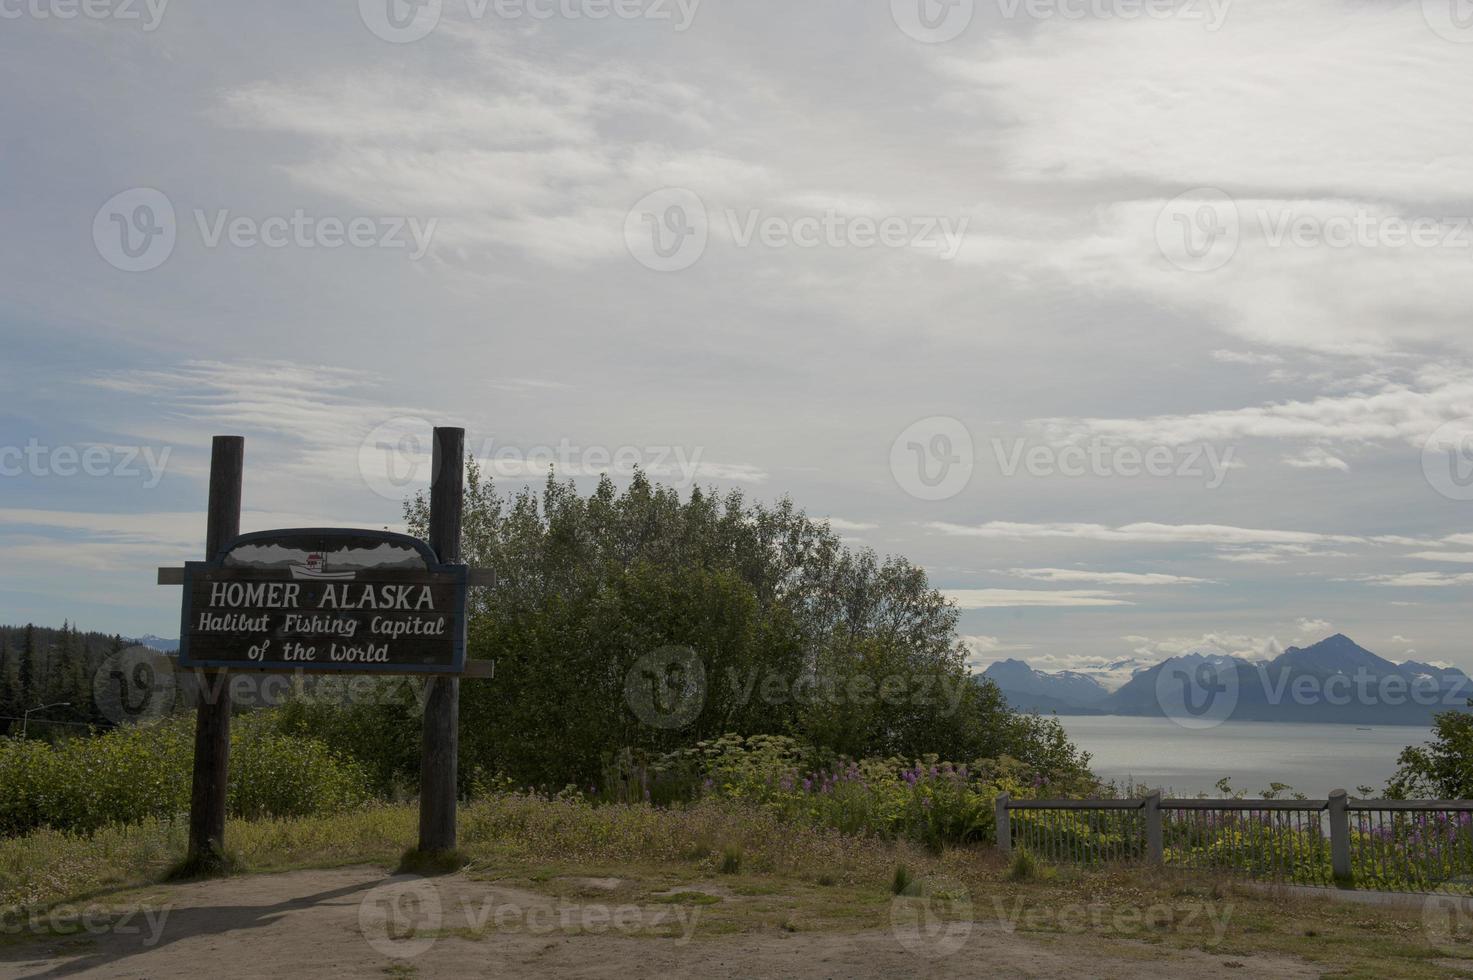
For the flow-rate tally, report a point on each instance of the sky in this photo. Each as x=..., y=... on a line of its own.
x=1143, y=327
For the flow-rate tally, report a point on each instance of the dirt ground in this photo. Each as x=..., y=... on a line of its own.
x=359, y=922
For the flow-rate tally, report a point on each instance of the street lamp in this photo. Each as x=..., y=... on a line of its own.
x=26, y=715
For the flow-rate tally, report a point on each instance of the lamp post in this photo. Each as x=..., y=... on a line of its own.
x=26, y=715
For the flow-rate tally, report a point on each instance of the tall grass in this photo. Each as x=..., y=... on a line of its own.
x=137, y=774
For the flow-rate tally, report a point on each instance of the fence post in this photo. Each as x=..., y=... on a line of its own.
x=1339, y=837
x=1152, y=809
x=1004, y=824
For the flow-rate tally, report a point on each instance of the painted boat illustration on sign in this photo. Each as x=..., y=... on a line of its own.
x=315, y=569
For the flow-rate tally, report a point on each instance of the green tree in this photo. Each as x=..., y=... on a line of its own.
x=1441, y=768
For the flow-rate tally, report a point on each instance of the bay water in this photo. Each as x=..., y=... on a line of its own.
x=1312, y=758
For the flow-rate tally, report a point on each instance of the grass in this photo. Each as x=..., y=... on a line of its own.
x=430, y=863
x=788, y=878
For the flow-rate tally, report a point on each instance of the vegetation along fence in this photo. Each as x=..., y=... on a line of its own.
x=1402, y=845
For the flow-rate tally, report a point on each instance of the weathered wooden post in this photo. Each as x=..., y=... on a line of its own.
x=438, y=762
x=1004, y=824
x=212, y=721
x=1155, y=850
x=1339, y=837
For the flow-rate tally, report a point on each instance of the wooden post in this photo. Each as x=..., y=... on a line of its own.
x=212, y=721
x=1155, y=850
x=438, y=763
x=1004, y=824
x=1339, y=837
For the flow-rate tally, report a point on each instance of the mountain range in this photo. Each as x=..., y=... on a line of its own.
x=1334, y=680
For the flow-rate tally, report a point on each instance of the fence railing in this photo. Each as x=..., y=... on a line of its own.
x=1404, y=845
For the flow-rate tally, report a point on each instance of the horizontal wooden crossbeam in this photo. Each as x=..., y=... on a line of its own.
x=480, y=578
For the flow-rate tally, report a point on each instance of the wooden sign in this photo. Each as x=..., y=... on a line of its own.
x=325, y=600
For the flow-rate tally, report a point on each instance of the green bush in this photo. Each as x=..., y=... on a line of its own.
x=926, y=801
x=133, y=774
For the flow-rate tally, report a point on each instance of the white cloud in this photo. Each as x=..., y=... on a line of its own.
x=1224, y=118
x=1402, y=412
x=1457, y=557
x=1140, y=533
x=1245, y=357
x=1315, y=458
x=1316, y=627
x=1104, y=578
x=1003, y=598
x=840, y=524
x=1244, y=646
x=1418, y=580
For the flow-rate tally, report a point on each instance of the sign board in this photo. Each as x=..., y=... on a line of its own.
x=325, y=599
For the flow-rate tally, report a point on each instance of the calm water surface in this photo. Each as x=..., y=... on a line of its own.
x=1314, y=759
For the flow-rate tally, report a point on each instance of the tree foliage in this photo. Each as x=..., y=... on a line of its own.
x=1442, y=768
x=794, y=633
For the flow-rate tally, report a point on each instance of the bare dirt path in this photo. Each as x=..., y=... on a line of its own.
x=356, y=922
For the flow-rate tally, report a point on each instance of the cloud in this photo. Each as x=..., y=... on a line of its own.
x=1417, y=580
x=1245, y=357
x=1225, y=83
x=1315, y=458
x=1459, y=557
x=514, y=152
x=982, y=650
x=1104, y=578
x=1391, y=412
x=1002, y=598
x=1312, y=626
x=1244, y=646
x=839, y=524
x=1140, y=533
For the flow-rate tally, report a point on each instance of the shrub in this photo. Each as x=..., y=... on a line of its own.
x=1024, y=867
x=134, y=774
